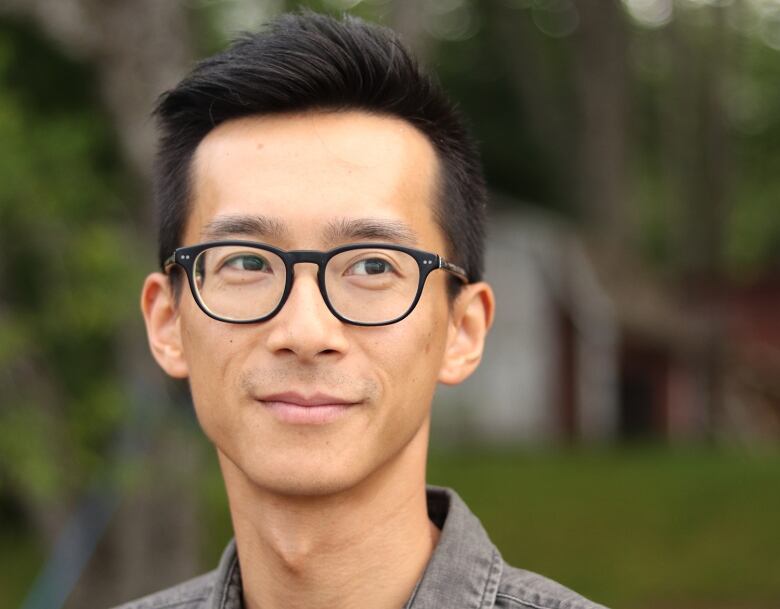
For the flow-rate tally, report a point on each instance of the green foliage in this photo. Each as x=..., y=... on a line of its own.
x=478, y=77
x=20, y=558
x=68, y=275
x=753, y=238
x=662, y=160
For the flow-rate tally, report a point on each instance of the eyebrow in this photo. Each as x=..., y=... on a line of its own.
x=349, y=229
x=254, y=226
x=336, y=231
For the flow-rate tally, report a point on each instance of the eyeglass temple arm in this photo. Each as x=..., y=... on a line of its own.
x=460, y=272
x=169, y=262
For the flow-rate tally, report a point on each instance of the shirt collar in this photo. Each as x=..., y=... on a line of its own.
x=227, y=591
x=464, y=569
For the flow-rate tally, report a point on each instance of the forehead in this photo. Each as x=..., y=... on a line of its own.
x=306, y=171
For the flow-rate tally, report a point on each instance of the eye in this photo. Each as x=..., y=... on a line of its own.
x=371, y=266
x=247, y=262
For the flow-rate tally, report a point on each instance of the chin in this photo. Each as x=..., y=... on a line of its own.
x=296, y=476
x=306, y=484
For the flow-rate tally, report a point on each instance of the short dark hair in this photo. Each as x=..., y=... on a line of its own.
x=308, y=61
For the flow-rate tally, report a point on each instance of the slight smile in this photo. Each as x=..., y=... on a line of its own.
x=316, y=409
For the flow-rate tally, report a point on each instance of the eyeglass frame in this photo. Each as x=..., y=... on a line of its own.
x=427, y=262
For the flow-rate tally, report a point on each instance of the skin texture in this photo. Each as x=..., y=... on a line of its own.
x=335, y=512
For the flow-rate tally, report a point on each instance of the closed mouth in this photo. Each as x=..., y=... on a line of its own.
x=312, y=401
x=315, y=409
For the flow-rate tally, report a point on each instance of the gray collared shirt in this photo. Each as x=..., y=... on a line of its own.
x=466, y=571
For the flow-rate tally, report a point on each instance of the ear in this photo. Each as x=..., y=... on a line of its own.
x=471, y=318
x=161, y=314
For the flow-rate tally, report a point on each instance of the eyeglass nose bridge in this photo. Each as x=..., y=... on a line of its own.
x=294, y=257
x=307, y=256
x=312, y=256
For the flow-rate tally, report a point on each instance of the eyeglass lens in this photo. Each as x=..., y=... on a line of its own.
x=372, y=285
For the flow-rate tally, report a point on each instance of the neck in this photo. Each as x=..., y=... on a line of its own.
x=367, y=545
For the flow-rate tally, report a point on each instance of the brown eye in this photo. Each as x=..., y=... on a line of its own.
x=247, y=262
x=371, y=266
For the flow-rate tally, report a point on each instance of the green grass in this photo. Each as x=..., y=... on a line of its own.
x=643, y=528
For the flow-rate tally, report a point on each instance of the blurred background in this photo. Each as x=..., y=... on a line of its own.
x=630, y=392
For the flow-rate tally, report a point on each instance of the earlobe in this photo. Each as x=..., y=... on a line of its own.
x=472, y=316
x=161, y=316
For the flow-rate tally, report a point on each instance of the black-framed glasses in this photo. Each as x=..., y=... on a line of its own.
x=365, y=284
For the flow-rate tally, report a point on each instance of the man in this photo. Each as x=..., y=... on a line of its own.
x=322, y=212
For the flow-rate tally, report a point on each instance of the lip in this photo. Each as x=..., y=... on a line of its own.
x=316, y=409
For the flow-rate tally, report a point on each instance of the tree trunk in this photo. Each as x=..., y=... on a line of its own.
x=601, y=77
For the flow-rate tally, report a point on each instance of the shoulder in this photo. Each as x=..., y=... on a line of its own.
x=520, y=589
x=191, y=594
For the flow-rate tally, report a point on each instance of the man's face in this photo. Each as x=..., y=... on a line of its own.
x=315, y=179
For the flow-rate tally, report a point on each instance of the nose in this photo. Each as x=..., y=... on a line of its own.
x=305, y=326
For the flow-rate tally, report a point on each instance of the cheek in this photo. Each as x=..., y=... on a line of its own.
x=412, y=355
x=213, y=352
